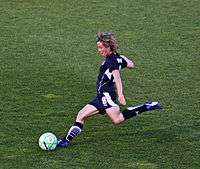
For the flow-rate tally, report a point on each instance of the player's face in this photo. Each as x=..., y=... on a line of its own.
x=103, y=51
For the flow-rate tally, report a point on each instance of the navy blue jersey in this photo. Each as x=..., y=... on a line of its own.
x=105, y=79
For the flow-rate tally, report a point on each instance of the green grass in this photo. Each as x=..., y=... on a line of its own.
x=49, y=64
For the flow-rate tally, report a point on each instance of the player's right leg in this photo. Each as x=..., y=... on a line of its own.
x=118, y=117
x=83, y=114
x=135, y=110
x=115, y=115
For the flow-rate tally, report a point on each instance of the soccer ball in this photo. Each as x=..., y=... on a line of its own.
x=48, y=141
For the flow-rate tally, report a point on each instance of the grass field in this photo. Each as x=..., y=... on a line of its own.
x=49, y=64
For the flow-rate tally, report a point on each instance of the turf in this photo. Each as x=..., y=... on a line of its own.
x=49, y=65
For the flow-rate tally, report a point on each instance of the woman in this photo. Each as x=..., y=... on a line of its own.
x=109, y=89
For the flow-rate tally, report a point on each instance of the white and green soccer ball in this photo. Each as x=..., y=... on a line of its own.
x=48, y=141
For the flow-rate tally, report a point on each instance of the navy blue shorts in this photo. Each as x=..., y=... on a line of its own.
x=104, y=101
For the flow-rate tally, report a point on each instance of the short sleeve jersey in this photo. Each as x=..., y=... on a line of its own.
x=105, y=81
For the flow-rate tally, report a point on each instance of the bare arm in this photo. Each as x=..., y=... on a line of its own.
x=118, y=83
x=130, y=63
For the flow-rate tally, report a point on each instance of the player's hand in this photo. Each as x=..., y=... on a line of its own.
x=122, y=100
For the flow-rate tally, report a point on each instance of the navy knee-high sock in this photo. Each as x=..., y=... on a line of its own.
x=133, y=111
x=73, y=131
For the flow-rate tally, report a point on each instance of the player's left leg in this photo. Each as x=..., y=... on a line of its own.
x=83, y=114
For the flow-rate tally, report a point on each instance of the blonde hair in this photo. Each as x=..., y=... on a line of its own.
x=108, y=39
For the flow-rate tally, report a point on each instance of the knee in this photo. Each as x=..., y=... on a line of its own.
x=117, y=121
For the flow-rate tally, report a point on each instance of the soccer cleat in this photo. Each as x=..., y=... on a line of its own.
x=152, y=105
x=62, y=143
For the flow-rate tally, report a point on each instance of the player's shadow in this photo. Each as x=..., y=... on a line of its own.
x=172, y=134
x=167, y=134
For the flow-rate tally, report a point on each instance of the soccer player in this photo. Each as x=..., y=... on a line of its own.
x=109, y=89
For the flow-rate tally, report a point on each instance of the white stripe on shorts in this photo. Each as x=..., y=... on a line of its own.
x=109, y=99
